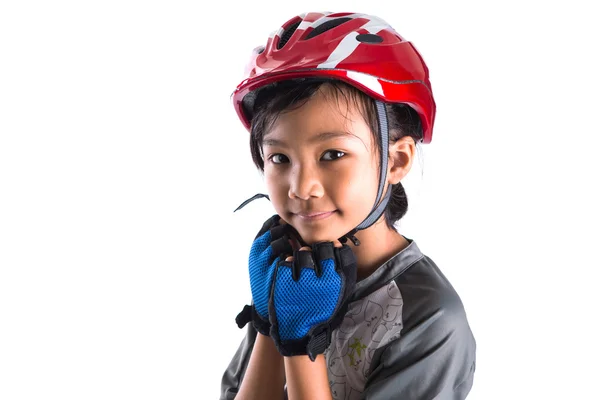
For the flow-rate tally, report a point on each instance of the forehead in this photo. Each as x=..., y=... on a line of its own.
x=326, y=111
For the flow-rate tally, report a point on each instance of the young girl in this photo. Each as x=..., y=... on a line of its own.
x=343, y=305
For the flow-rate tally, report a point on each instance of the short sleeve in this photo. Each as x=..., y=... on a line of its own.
x=234, y=374
x=434, y=357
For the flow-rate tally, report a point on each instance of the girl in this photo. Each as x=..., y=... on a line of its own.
x=344, y=306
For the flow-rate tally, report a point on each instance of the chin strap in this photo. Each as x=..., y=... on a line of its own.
x=266, y=196
x=370, y=220
x=382, y=200
x=251, y=199
x=379, y=207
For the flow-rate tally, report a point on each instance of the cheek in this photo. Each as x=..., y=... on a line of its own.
x=358, y=179
x=359, y=189
x=277, y=190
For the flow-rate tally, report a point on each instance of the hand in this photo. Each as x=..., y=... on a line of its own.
x=309, y=297
x=270, y=245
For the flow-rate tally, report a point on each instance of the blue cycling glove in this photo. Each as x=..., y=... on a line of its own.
x=270, y=245
x=309, y=298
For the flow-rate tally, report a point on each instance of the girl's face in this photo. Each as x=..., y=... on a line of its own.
x=321, y=168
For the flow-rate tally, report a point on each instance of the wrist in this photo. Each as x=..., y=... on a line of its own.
x=265, y=376
x=307, y=379
x=266, y=344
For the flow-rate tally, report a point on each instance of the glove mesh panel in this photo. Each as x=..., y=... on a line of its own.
x=259, y=265
x=306, y=303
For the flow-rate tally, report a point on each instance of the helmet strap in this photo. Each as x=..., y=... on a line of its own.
x=379, y=207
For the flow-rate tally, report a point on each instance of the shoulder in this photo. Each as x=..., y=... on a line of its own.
x=428, y=296
x=415, y=280
x=433, y=354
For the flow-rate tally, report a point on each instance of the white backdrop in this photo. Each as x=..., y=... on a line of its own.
x=121, y=161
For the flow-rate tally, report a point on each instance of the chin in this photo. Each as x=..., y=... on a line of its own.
x=326, y=230
x=311, y=240
x=315, y=237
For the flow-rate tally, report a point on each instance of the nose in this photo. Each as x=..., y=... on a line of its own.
x=305, y=183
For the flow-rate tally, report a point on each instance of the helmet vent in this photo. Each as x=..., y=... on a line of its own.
x=369, y=38
x=324, y=27
x=287, y=34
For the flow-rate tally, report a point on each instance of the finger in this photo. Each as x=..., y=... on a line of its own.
x=308, y=260
x=337, y=243
x=289, y=258
x=294, y=243
x=303, y=259
x=323, y=251
x=294, y=233
x=291, y=234
x=279, y=241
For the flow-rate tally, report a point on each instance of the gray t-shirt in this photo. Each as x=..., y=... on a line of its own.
x=405, y=336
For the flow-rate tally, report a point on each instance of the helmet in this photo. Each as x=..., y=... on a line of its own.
x=361, y=50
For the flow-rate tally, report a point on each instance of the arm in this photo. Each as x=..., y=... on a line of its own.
x=255, y=370
x=307, y=379
x=307, y=303
x=264, y=376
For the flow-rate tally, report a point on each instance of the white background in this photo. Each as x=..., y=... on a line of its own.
x=121, y=161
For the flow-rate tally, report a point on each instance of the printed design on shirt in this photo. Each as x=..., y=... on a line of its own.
x=356, y=348
x=370, y=323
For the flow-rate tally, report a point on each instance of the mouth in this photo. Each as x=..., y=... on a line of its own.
x=315, y=216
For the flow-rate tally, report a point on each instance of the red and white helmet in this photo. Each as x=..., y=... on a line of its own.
x=359, y=49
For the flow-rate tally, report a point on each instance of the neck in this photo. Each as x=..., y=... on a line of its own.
x=378, y=244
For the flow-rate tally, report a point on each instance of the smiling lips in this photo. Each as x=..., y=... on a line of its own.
x=313, y=216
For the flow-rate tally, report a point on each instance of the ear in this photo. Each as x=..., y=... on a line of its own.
x=401, y=154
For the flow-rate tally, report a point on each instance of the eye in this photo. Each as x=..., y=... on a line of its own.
x=331, y=155
x=278, y=159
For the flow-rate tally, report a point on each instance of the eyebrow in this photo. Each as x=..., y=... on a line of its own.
x=321, y=137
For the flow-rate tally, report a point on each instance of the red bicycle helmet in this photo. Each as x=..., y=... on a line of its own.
x=361, y=50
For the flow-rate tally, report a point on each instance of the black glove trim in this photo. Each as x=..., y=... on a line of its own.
x=281, y=246
x=244, y=316
x=249, y=314
x=318, y=344
x=260, y=324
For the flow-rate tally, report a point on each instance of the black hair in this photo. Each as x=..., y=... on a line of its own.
x=277, y=98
